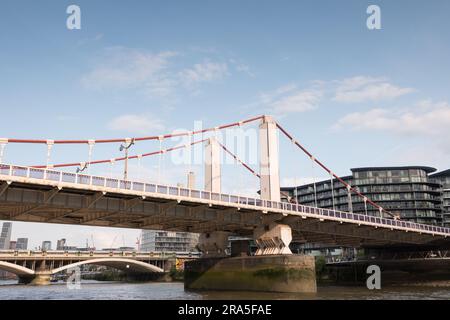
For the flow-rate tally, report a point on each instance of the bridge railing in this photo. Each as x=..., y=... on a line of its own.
x=82, y=179
x=98, y=254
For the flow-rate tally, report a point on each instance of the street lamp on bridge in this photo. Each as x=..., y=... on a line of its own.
x=128, y=144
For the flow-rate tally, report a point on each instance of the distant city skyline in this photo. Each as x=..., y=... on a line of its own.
x=355, y=97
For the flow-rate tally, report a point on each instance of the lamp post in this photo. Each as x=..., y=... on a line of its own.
x=128, y=144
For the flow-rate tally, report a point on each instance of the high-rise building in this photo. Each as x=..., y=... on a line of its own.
x=443, y=178
x=5, y=235
x=168, y=241
x=46, y=246
x=22, y=244
x=409, y=192
x=12, y=245
x=61, y=244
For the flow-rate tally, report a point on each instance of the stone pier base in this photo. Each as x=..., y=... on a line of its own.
x=270, y=273
x=38, y=279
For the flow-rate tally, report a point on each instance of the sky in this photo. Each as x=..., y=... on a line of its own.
x=354, y=97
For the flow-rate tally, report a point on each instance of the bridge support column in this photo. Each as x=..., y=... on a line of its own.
x=269, y=273
x=212, y=166
x=38, y=279
x=275, y=269
x=273, y=239
x=269, y=167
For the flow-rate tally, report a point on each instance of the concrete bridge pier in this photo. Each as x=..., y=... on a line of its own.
x=39, y=279
x=273, y=269
x=273, y=238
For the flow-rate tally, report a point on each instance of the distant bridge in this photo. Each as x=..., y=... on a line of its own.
x=29, y=265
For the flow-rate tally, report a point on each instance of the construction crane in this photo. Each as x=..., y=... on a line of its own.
x=138, y=242
x=92, y=240
x=112, y=243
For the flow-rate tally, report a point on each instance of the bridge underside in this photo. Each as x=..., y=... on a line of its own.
x=34, y=202
x=29, y=267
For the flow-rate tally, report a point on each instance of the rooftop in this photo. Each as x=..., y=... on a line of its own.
x=424, y=168
x=445, y=173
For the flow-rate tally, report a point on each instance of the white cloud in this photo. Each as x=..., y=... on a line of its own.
x=299, y=101
x=133, y=123
x=203, y=72
x=363, y=89
x=426, y=118
x=245, y=69
x=241, y=67
x=430, y=153
x=269, y=97
x=290, y=99
x=128, y=68
x=153, y=74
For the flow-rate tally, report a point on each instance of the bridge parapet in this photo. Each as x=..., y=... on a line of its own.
x=152, y=200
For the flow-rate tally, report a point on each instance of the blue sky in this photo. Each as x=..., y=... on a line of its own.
x=353, y=96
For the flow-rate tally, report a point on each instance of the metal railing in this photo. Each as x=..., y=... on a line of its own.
x=98, y=254
x=192, y=194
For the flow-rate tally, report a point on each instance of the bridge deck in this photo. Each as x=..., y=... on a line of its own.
x=50, y=196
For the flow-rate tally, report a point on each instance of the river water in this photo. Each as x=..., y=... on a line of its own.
x=92, y=290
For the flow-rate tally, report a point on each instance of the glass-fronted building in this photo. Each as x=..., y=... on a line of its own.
x=168, y=241
x=5, y=235
x=408, y=192
x=46, y=246
x=22, y=244
x=60, y=244
x=443, y=178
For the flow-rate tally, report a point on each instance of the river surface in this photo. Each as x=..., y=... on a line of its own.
x=92, y=290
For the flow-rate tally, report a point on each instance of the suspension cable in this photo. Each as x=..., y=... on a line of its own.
x=91, y=144
x=359, y=194
x=296, y=190
x=160, y=158
x=112, y=161
x=50, y=144
x=314, y=181
x=365, y=205
x=190, y=154
x=239, y=160
x=139, y=157
x=332, y=192
x=349, y=199
x=165, y=136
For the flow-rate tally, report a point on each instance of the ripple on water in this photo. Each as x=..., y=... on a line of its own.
x=175, y=290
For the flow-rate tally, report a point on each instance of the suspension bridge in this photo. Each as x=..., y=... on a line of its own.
x=51, y=193
x=48, y=194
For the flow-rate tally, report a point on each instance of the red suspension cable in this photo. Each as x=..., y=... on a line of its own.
x=34, y=141
x=349, y=187
x=75, y=164
x=240, y=161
